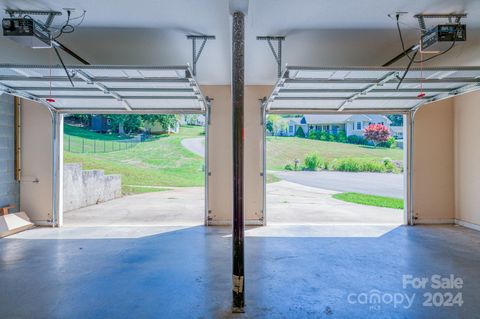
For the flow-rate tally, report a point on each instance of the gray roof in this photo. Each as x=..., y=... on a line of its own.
x=341, y=118
x=296, y=120
x=326, y=118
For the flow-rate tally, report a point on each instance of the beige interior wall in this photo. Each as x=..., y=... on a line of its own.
x=36, y=159
x=254, y=190
x=220, y=155
x=433, y=176
x=467, y=158
x=220, y=197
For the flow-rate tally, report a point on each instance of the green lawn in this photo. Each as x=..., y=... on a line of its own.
x=159, y=162
x=81, y=140
x=284, y=150
x=370, y=200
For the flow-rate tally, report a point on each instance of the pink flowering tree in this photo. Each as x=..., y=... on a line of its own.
x=377, y=133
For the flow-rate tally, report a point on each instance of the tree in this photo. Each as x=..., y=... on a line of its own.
x=83, y=119
x=377, y=133
x=397, y=119
x=271, y=119
x=279, y=127
x=190, y=118
x=133, y=122
x=300, y=132
x=165, y=120
x=125, y=122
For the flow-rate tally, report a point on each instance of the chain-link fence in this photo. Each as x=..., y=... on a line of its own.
x=75, y=144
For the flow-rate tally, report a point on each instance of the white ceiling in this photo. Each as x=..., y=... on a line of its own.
x=319, y=32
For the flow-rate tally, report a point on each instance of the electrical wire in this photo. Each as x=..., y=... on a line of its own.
x=407, y=24
x=67, y=27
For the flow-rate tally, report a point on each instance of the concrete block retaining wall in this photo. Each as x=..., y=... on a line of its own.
x=83, y=188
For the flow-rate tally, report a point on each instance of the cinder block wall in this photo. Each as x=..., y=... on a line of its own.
x=9, y=188
x=90, y=187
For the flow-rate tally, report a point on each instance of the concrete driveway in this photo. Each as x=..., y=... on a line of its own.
x=367, y=183
x=287, y=203
x=195, y=145
x=290, y=203
x=181, y=206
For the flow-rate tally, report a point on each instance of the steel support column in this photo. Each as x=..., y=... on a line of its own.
x=238, y=48
x=207, y=155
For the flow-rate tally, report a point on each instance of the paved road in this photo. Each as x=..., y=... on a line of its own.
x=195, y=145
x=366, y=183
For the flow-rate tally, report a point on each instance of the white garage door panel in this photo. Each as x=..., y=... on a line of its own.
x=99, y=88
x=367, y=89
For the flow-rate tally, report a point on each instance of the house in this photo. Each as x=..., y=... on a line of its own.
x=336, y=123
x=397, y=132
x=158, y=129
x=100, y=123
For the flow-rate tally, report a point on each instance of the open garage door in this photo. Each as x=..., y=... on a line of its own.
x=367, y=90
x=360, y=91
x=105, y=89
x=100, y=89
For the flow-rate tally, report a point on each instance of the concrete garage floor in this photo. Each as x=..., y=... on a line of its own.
x=185, y=273
x=287, y=203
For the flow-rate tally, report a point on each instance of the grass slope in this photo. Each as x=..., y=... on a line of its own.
x=284, y=150
x=75, y=131
x=160, y=162
x=370, y=200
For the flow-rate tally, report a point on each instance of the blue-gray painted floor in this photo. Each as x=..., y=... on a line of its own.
x=185, y=273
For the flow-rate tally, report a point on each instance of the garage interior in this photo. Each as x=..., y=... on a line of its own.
x=119, y=57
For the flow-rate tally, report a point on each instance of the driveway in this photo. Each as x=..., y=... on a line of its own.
x=380, y=184
x=290, y=203
x=287, y=203
x=176, y=207
x=195, y=145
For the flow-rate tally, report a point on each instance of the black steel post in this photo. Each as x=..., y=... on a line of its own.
x=238, y=48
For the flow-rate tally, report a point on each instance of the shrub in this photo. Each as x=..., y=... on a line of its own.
x=354, y=139
x=389, y=143
x=330, y=137
x=312, y=161
x=346, y=165
x=389, y=165
x=300, y=132
x=323, y=136
x=372, y=166
x=357, y=165
x=289, y=167
x=341, y=137
x=377, y=133
x=312, y=135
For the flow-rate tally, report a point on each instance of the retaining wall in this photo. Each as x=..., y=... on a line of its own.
x=83, y=188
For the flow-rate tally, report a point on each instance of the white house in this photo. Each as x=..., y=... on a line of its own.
x=192, y=119
x=333, y=123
